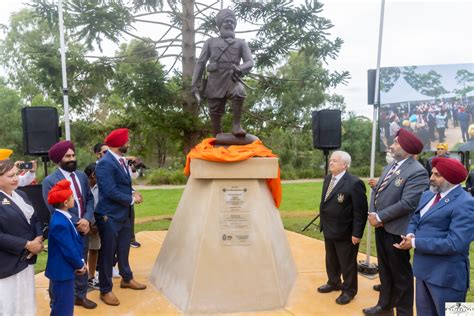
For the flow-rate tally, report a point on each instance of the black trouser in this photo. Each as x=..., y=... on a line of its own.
x=341, y=259
x=132, y=222
x=396, y=276
x=115, y=239
x=441, y=134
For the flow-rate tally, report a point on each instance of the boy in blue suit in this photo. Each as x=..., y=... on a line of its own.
x=441, y=231
x=65, y=258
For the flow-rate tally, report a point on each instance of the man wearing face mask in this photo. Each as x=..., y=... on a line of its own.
x=112, y=215
x=63, y=154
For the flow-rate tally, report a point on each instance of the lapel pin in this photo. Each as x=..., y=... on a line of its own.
x=6, y=201
x=446, y=200
x=397, y=172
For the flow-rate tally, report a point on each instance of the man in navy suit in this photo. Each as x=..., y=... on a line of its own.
x=65, y=250
x=63, y=154
x=112, y=215
x=441, y=231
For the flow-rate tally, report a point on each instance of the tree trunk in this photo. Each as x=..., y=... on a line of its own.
x=190, y=106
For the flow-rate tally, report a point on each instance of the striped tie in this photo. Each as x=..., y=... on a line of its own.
x=330, y=187
x=385, y=181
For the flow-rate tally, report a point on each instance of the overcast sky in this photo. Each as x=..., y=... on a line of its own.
x=416, y=32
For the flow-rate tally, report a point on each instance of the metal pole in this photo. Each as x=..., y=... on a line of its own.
x=374, y=120
x=63, y=68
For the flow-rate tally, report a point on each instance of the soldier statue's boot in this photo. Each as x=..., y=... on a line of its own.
x=236, y=114
x=216, y=124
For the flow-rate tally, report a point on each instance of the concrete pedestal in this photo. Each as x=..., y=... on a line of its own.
x=226, y=250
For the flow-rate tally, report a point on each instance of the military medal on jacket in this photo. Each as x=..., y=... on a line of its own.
x=340, y=197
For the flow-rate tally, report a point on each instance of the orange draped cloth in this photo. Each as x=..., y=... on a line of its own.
x=206, y=151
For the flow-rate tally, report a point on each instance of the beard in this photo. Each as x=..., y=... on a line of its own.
x=226, y=33
x=389, y=158
x=123, y=149
x=69, y=166
x=445, y=186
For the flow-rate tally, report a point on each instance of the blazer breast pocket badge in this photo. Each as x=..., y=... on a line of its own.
x=399, y=181
x=340, y=197
x=6, y=201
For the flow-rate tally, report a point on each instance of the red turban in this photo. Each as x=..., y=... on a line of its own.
x=117, y=137
x=409, y=142
x=60, y=192
x=451, y=169
x=58, y=150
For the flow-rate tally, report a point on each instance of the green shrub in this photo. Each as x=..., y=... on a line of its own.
x=165, y=176
x=177, y=177
x=159, y=176
x=288, y=173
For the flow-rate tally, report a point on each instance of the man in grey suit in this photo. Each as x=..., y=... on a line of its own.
x=393, y=200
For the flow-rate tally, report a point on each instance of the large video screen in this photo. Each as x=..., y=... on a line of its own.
x=435, y=102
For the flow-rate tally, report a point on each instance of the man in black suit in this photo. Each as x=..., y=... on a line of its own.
x=343, y=211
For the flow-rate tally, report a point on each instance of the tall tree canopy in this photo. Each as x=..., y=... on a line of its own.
x=275, y=28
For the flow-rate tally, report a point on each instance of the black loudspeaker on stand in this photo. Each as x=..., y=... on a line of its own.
x=326, y=136
x=40, y=130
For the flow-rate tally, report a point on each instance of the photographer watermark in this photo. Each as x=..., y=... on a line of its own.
x=459, y=309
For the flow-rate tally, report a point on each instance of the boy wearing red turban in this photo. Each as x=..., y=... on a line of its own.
x=65, y=258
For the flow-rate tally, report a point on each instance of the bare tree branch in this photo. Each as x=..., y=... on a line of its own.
x=175, y=11
x=210, y=6
x=174, y=64
x=136, y=36
x=151, y=13
x=175, y=39
x=167, y=46
x=248, y=31
x=156, y=22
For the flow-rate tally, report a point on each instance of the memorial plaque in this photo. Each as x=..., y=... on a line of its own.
x=234, y=218
x=235, y=238
x=235, y=199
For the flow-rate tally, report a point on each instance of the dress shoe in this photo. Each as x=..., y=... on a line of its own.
x=132, y=284
x=376, y=287
x=326, y=288
x=378, y=310
x=135, y=244
x=85, y=302
x=344, y=299
x=109, y=299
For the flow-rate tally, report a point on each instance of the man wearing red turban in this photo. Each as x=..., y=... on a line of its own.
x=82, y=210
x=441, y=231
x=65, y=250
x=113, y=215
x=393, y=201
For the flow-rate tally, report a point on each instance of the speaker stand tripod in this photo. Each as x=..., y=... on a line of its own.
x=45, y=160
x=326, y=155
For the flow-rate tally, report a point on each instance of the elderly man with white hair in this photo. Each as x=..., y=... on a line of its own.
x=343, y=211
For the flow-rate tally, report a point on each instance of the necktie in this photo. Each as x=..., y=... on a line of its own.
x=385, y=181
x=436, y=200
x=124, y=165
x=78, y=195
x=330, y=187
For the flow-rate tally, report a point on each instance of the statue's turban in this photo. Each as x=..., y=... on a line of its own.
x=224, y=14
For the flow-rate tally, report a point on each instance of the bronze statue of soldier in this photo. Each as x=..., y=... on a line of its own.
x=224, y=82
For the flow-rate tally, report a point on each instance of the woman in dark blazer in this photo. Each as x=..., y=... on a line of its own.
x=20, y=242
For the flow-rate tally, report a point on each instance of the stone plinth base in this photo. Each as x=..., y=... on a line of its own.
x=226, y=250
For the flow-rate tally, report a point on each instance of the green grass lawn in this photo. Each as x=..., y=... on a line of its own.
x=297, y=197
